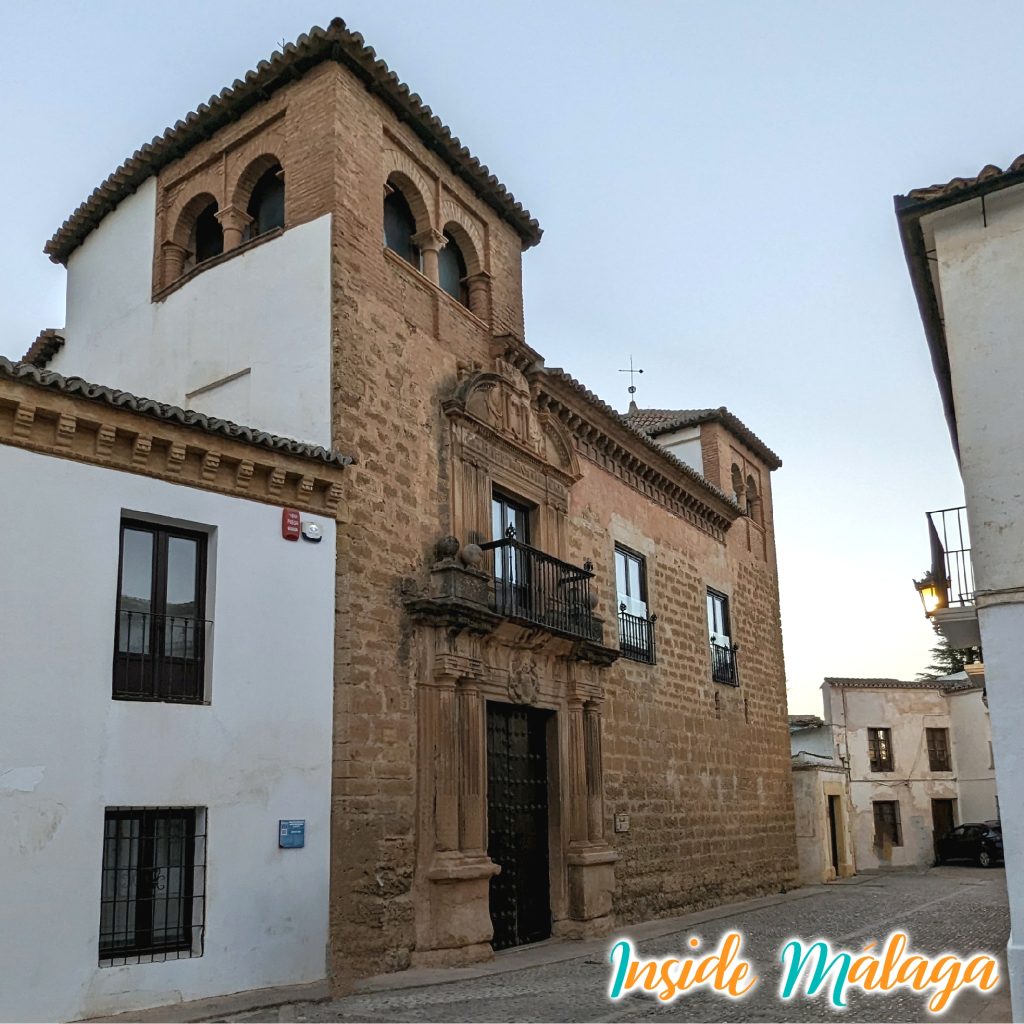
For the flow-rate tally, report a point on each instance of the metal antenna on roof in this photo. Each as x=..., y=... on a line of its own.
x=632, y=386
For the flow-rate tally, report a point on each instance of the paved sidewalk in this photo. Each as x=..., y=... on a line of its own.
x=961, y=909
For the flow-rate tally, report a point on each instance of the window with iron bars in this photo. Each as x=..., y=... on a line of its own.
x=153, y=886
x=160, y=633
x=636, y=624
x=938, y=750
x=723, y=650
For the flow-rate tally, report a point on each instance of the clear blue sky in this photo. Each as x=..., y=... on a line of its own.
x=715, y=182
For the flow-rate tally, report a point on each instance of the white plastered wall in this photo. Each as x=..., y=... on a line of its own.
x=259, y=752
x=265, y=311
x=684, y=445
x=979, y=254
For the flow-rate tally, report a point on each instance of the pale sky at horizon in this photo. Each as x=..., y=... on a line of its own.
x=715, y=184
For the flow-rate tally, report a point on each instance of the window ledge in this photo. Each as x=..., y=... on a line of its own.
x=430, y=288
x=215, y=261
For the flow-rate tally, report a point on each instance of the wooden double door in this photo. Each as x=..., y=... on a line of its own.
x=517, y=823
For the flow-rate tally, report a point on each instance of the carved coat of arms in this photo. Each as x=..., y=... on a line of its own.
x=524, y=683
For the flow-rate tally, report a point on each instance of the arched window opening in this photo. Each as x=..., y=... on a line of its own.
x=452, y=270
x=737, y=484
x=266, y=204
x=400, y=227
x=207, y=235
x=753, y=501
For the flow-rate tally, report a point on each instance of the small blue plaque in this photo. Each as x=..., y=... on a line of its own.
x=291, y=835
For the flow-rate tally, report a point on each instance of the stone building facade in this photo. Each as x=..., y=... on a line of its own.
x=484, y=689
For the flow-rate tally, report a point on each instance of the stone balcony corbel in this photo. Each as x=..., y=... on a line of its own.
x=458, y=594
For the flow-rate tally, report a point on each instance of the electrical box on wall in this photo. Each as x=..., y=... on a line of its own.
x=291, y=834
x=621, y=822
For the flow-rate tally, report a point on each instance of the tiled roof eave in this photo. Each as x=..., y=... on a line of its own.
x=336, y=43
x=27, y=374
x=655, y=422
x=717, y=506
x=934, y=197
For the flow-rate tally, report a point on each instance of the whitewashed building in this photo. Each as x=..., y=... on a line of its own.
x=821, y=798
x=917, y=754
x=167, y=684
x=964, y=244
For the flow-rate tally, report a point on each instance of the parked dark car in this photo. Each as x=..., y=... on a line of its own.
x=980, y=842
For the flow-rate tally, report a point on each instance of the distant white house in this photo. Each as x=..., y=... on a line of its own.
x=821, y=796
x=167, y=685
x=918, y=756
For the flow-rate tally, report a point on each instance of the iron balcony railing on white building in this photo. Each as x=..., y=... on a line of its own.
x=951, y=565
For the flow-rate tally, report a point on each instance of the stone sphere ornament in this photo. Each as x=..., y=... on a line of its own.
x=446, y=548
x=472, y=556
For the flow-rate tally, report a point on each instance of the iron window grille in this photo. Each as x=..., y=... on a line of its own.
x=938, y=750
x=636, y=624
x=636, y=636
x=160, y=634
x=888, y=828
x=880, y=757
x=723, y=650
x=723, y=663
x=153, y=887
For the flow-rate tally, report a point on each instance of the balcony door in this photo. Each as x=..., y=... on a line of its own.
x=510, y=523
x=159, y=643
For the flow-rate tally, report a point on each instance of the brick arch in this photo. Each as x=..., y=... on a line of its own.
x=254, y=170
x=189, y=211
x=468, y=248
x=402, y=173
x=467, y=233
x=737, y=479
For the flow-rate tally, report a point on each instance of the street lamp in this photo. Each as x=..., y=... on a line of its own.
x=932, y=592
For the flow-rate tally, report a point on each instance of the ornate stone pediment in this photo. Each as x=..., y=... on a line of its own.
x=500, y=403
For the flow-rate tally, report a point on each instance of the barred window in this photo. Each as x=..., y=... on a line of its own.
x=636, y=625
x=938, y=750
x=880, y=750
x=723, y=650
x=888, y=829
x=153, y=888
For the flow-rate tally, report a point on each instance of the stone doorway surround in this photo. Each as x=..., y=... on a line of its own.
x=464, y=654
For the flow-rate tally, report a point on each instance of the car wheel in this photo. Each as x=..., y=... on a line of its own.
x=985, y=859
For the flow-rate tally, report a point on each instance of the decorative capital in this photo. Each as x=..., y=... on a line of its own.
x=233, y=217
x=429, y=240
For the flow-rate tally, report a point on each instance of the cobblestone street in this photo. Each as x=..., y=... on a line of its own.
x=958, y=909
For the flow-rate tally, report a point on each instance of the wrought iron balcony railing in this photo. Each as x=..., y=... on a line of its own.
x=636, y=636
x=535, y=587
x=160, y=657
x=951, y=567
x=723, y=664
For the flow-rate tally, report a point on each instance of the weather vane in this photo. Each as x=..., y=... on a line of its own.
x=631, y=371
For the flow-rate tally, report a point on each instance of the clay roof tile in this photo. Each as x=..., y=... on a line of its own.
x=337, y=43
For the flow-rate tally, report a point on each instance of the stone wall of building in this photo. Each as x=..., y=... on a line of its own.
x=701, y=768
